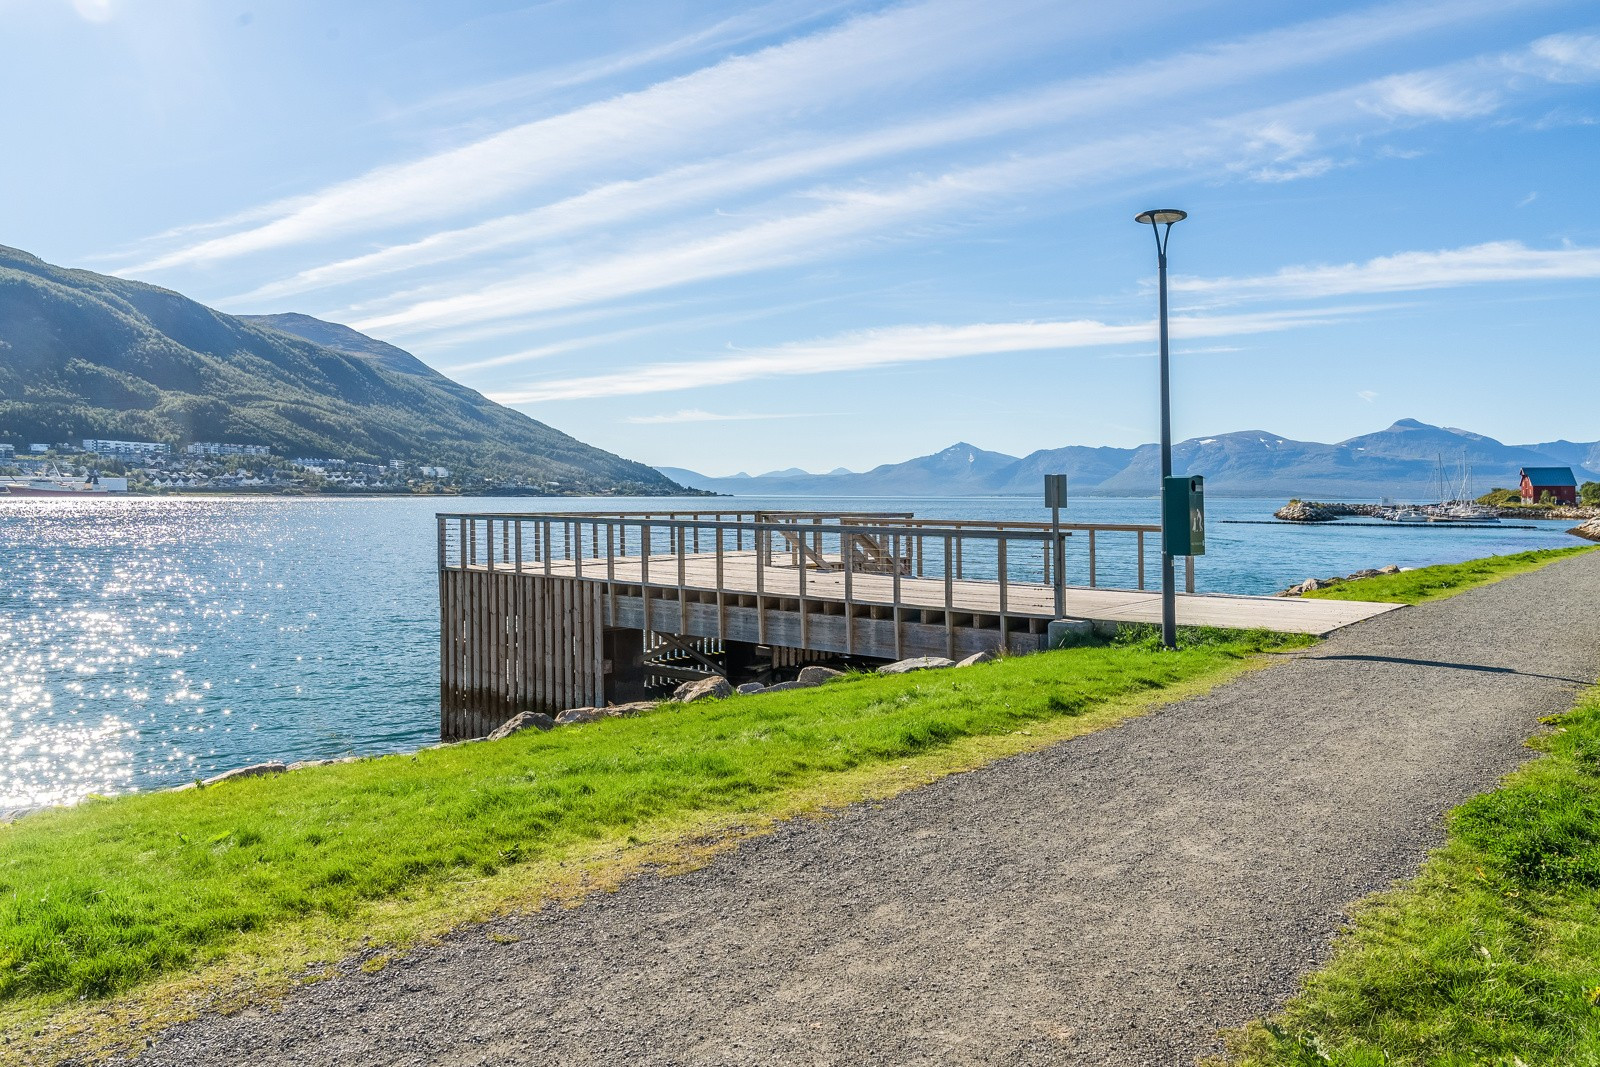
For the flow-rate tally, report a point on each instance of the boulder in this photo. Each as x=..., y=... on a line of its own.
x=976, y=658
x=1310, y=585
x=630, y=709
x=1589, y=531
x=750, y=687
x=817, y=675
x=300, y=765
x=1065, y=633
x=781, y=686
x=253, y=771
x=579, y=716
x=919, y=663
x=527, y=720
x=715, y=687
x=1390, y=569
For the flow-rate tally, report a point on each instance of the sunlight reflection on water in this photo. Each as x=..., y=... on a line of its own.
x=148, y=642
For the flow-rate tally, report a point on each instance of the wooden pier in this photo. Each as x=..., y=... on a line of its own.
x=552, y=611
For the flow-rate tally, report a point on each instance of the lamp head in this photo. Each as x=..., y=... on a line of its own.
x=1161, y=216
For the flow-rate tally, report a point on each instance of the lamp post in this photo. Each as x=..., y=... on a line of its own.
x=1160, y=222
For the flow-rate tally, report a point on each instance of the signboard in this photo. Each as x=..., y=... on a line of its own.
x=1055, y=490
x=1183, y=516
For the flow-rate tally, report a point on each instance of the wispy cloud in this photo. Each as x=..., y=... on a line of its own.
x=696, y=415
x=761, y=20
x=1367, y=394
x=1130, y=88
x=892, y=346
x=1497, y=261
x=1267, y=141
x=720, y=104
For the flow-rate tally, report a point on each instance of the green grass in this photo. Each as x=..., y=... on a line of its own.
x=1490, y=956
x=98, y=899
x=1444, y=580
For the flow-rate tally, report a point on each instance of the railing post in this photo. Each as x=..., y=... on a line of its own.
x=1058, y=549
x=847, y=553
x=1188, y=574
x=1092, y=580
x=1000, y=560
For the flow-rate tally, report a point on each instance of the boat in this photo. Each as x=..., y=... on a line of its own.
x=1455, y=501
x=1408, y=515
x=55, y=484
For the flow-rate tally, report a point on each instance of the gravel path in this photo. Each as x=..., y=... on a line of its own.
x=1113, y=900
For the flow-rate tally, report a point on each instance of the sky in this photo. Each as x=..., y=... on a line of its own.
x=837, y=233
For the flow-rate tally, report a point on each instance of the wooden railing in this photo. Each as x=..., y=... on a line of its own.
x=660, y=549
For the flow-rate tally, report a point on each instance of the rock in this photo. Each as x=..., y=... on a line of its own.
x=1306, y=511
x=976, y=658
x=630, y=709
x=1065, y=633
x=534, y=720
x=1390, y=569
x=750, y=687
x=1589, y=531
x=300, y=765
x=715, y=687
x=817, y=675
x=1310, y=585
x=253, y=771
x=579, y=716
x=1106, y=629
x=919, y=663
x=781, y=686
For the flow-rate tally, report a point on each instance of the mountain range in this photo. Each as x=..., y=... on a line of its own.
x=87, y=355
x=1403, y=461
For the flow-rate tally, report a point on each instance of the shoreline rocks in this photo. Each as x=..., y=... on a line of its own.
x=1326, y=511
x=1311, y=585
x=1589, y=531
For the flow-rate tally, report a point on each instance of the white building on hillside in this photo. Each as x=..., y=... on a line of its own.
x=125, y=448
x=213, y=448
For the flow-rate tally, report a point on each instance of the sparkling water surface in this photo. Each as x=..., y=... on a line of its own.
x=148, y=642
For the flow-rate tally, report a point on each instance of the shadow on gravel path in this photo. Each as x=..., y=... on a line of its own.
x=1452, y=666
x=1112, y=900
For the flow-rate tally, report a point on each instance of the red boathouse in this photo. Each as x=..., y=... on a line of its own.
x=1557, y=481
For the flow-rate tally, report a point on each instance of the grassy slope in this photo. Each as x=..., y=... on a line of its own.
x=249, y=882
x=1447, y=579
x=1491, y=956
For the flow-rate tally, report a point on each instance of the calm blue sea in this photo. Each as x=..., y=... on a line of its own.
x=148, y=642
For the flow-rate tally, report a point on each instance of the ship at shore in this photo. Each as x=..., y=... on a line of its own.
x=55, y=484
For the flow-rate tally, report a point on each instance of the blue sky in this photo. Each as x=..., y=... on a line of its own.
x=746, y=236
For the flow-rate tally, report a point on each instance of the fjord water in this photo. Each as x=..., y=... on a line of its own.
x=148, y=642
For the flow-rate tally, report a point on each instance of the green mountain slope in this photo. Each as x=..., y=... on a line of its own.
x=86, y=355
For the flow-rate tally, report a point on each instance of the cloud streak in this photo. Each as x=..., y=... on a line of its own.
x=1129, y=88
x=723, y=102
x=892, y=346
x=697, y=415
x=1495, y=261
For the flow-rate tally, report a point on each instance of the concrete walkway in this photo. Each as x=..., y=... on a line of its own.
x=1112, y=900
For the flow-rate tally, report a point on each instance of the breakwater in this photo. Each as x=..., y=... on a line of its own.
x=1329, y=511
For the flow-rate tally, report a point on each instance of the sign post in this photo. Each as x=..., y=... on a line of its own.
x=1055, y=498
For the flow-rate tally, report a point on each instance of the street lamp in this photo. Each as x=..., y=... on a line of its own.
x=1160, y=222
